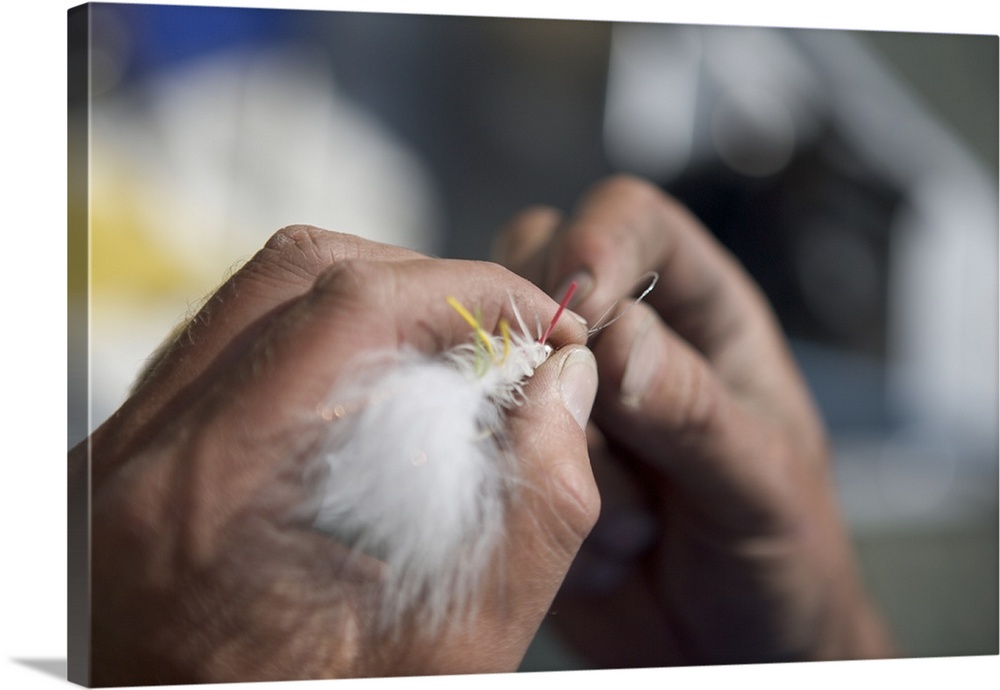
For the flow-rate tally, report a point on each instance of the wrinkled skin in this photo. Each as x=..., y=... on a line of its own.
x=205, y=567
x=720, y=538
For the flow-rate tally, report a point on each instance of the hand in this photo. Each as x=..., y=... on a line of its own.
x=720, y=539
x=205, y=566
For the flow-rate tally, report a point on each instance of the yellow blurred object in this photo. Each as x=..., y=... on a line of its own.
x=125, y=257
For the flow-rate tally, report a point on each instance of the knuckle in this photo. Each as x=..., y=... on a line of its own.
x=307, y=243
x=288, y=257
x=305, y=251
x=296, y=251
x=291, y=235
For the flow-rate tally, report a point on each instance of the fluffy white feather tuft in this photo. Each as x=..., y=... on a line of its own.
x=419, y=476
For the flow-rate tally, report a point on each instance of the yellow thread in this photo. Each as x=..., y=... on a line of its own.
x=471, y=320
x=505, y=332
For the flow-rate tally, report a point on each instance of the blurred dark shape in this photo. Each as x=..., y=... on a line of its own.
x=815, y=235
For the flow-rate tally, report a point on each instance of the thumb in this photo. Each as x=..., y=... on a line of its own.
x=558, y=502
x=548, y=438
x=555, y=505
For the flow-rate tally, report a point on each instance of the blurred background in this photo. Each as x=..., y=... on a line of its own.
x=854, y=174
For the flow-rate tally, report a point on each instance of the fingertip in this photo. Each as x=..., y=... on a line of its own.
x=578, y=383
x=567, y=379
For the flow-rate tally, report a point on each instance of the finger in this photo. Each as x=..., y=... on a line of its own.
x=625, y=228
x=285, y=268
x=360, y=307
x=245, y=443
x=233, y=318
x=555, y=505
x=547, y=434
x=558, y=503
x=521, y=245
x=664, y=403
x=267, y=408
x=398, y=304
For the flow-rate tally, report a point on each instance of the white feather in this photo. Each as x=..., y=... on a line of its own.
x=419, y=475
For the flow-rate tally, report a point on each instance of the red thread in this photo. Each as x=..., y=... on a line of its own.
x=559, y=311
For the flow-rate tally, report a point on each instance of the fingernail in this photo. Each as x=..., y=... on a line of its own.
x=584, y=282
x=643, y=360
x=578, y=384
